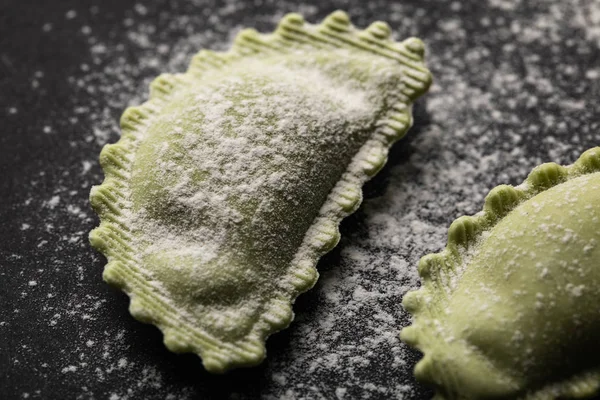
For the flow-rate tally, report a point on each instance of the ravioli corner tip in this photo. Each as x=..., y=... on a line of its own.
x=508, y=310
x=230, y=182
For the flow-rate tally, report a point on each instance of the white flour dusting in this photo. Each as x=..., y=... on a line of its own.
x=237, y=145
x=503, y=101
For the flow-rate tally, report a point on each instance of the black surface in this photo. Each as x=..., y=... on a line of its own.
x=35, y=166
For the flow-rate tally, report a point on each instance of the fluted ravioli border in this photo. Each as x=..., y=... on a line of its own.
x=111, y=198
x=465, y=232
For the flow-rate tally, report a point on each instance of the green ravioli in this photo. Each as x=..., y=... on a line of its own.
x=510, y=309
x=230, y=182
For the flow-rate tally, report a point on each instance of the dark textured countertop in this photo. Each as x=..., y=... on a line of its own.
x=516, y=84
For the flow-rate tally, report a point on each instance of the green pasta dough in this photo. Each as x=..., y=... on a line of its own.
x=231, y=181
x=509, y=310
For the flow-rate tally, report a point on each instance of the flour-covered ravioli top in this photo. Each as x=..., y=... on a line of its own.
x=230, y=183
x=242, y=170
x=510, y=308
